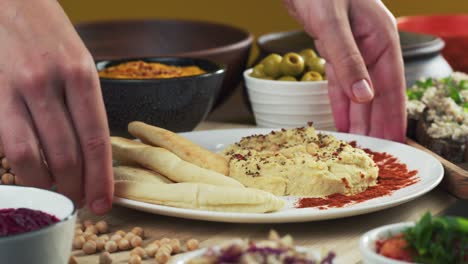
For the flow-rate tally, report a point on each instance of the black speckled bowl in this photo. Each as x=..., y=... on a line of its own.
x=177, y=104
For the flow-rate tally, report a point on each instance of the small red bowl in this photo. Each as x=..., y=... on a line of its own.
x=453, y=29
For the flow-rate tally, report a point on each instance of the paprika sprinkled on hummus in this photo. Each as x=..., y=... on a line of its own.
x=393, y=175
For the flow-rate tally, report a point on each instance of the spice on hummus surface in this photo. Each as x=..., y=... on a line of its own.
x=301, y=162
x=148, y=70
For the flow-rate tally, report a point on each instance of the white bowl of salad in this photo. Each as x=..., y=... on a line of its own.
x=271, y=251
x=442, y=239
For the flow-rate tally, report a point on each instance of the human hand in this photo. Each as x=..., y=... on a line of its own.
x=51, y=105
x=360, y=42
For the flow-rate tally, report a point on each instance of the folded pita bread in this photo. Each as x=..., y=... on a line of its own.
x=127, y=173
x=166, y=163
x=182, y=147
x=200, y=196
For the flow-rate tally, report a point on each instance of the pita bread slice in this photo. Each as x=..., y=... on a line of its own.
x=200, y=196
x=127, y=173
x=167, y=163
x=182, y=147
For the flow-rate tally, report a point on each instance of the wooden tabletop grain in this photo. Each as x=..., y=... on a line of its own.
x=340, y=235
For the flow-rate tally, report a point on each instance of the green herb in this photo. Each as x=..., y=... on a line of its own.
x=424, y=83
x=465, y=107
x=463, y=85
x=420, y=86
x=439, y=239
x=447, y=80
x=454, y=94
x=414, y=94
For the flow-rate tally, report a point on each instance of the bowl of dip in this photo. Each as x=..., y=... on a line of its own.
x=174, y=93
x=36, y=226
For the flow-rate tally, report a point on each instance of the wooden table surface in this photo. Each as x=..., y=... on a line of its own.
x=339, y=235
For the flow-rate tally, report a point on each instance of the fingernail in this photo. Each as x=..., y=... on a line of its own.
x=362, y=91
x=100, y=206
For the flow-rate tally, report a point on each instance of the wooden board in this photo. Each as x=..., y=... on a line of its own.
x=340, y=235
x=456, y=175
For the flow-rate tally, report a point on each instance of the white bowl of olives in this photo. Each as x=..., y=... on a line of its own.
x=290, y=91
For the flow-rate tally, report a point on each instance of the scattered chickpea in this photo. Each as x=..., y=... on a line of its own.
x=100, y=244
x=124, y=244
x=105, y=258
x=5, y=163
x=135, y=259
x=92, y=237
x=72, y=260
x=102, y=227
x=89, y=247
x=87, y=223
x=157, y=243
x=129, y=236
x=151, y=250
x=138, y=231
x=2, y=171
x=116, y=238
x=111, y=246
x=136, y=241
x=87, y=235
x=8, y=179
x=192, y=244
x=91, y=229
x=78, y=242
x=165, y=249
x=165, y=240
x=120, y=232
x=138, y=251
x=78, y=232
x=162, y=257
x=79, y=226
x=175, y=244
x=104, y=237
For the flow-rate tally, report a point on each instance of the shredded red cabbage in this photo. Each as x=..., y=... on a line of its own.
x=21, y=220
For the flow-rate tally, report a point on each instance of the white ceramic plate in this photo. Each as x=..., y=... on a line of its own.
x=429, y=169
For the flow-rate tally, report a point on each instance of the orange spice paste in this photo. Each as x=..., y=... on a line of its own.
x=148, y=70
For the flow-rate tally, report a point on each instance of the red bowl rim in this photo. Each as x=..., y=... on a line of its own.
x=434, y=17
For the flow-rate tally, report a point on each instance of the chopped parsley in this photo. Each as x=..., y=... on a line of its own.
x=441, y=239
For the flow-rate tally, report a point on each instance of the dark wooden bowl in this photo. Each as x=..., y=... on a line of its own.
x=223, y=44
x=177, y=104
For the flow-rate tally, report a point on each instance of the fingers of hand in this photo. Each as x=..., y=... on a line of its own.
x=359, y=117
x=337, y=44
x=389, y=108
x=56, y=134
x=83, y=96
x=339, y=101
x=20, y=143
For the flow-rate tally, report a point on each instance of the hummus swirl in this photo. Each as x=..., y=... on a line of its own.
x=300, y=162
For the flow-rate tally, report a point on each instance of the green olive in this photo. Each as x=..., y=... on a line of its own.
x=311, y=76
x=271, y=65
x=287, y=78
x=316, y=64
x=308, y=54
x=292, y=64
x=258, y=71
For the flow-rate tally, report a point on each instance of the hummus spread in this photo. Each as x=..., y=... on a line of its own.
x=300, y=162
